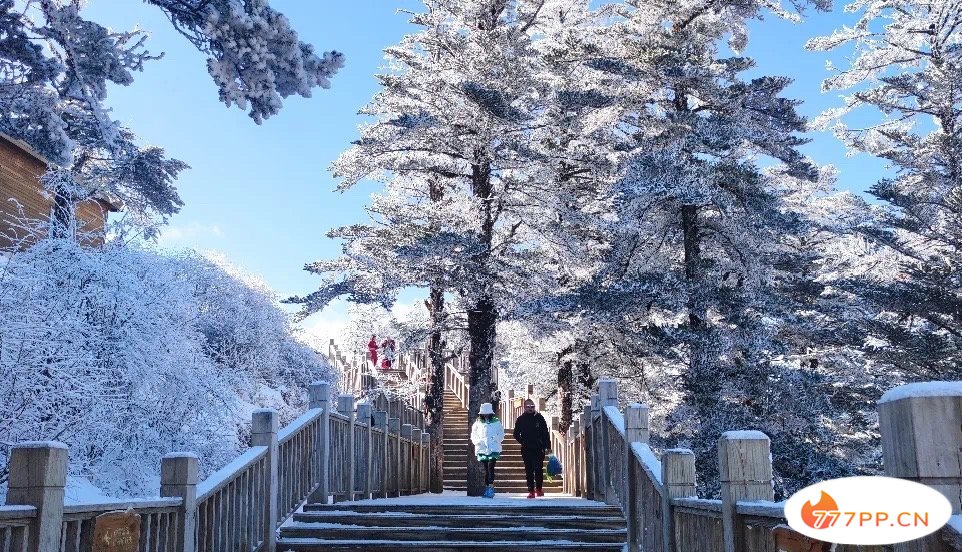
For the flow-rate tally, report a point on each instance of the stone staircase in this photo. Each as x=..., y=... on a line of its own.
x=509, y=473
x=467, y=525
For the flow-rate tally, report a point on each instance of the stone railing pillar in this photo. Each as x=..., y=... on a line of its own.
x=345, y=407
x=678, y=478
x=921, y=426
x=745, y=473
x=37, y=477
x=264, y=427
x=178, y=478
x=319, y=394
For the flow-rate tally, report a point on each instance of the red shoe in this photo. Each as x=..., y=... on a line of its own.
x=531, y=494
x=539, y=492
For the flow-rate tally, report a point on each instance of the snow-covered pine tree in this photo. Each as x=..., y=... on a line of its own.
x=462, y=139
x=702, y=273
x=55, y=66
x=905, y=77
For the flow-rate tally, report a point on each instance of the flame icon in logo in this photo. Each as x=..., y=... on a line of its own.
x=822, y=515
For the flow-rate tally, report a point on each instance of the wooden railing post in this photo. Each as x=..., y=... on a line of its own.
x=506, y=411
x=636, y=431
x=394, y=428
x=921, y=442
x=415, y=460
x=678, y=480
x=404, y=472
x=319, y=393
x=574, y=460
x=345, y=407
x=745, y=473
x=588, y=417
x=264, y=426
x=178, y=478
x=607, y=396
x=37, y=477
x=364, y=415
x=380, y=422
x=425, y=462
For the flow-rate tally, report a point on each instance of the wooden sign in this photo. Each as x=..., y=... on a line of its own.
x=117, y=532
x=787, y=540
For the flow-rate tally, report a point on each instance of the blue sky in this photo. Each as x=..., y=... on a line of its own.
x=262, y=196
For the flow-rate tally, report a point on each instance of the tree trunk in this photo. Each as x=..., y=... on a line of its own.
x=482, y=316
x=482, y=326
x=62, y=215
x=565, y=383
x=699, y=382
x=434, y=403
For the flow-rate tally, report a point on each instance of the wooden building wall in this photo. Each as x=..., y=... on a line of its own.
x=20, y=172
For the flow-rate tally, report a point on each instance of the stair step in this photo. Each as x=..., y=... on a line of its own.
x=515, y=507
x=312, y=545
x=450, y=534
x=477, y=520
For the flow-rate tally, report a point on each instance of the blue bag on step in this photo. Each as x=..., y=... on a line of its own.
x=554, y=466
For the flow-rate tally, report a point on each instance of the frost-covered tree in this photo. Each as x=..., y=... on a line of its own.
x=905, y=79
x=704, y=277
x=126, y=355
x=55, y=67
x=478, y=169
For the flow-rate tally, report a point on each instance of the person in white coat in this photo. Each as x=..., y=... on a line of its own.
x=486, y=435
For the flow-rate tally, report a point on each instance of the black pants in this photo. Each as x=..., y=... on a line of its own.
x=489, y=471
x=533, y=467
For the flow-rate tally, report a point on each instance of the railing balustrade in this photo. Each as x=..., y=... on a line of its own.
x=606, y=457
x=15, y=527
x=323, y=454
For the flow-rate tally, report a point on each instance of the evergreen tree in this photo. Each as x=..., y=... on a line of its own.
x=55, y=67
x=906, y=73
x=478, y=176
x=704, y=276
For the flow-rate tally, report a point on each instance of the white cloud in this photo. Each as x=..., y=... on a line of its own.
x=189, y=232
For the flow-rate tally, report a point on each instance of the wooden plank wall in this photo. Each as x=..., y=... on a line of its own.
x=20, y=172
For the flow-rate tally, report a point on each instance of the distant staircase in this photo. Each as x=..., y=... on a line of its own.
x=509, y=472
x=458, y=527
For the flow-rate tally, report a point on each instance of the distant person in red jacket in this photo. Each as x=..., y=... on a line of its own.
x=372, y=349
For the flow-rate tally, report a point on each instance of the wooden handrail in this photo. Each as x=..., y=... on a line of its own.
x=240, y=506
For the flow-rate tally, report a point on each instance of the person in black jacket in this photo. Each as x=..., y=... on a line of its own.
x=531, y=430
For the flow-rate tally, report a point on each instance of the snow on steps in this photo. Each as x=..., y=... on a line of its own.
x=452, y=522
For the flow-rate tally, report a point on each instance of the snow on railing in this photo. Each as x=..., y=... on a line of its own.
x=347, y=454
x=606, y=457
